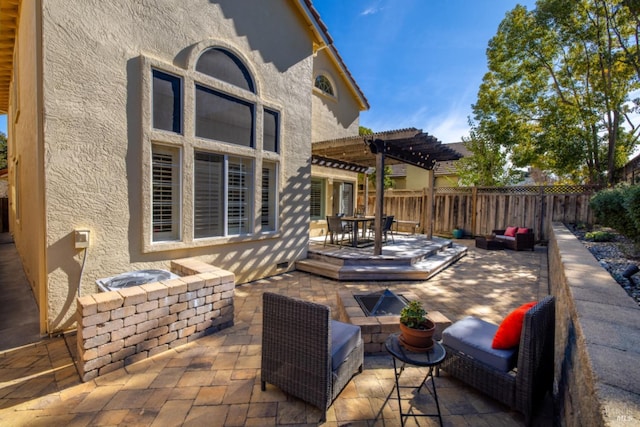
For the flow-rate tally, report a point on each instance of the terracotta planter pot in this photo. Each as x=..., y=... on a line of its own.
x=417, y=339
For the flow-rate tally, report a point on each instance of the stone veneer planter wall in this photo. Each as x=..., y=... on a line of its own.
x=121, y=327
x=597, y=339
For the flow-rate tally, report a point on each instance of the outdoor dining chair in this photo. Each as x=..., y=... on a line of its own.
x=336, y=230
x=387, y=224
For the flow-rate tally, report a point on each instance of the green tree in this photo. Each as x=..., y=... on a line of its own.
x=487, y=165
x=364, y=131
x=558, y=88
x=3, y=150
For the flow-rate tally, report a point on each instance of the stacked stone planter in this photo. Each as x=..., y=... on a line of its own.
x=121, y=327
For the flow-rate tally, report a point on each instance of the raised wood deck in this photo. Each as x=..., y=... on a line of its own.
x=411, y=257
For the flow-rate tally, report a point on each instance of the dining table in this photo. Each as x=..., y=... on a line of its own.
x=359, y=226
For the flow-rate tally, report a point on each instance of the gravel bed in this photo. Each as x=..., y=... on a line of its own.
x=616, y=257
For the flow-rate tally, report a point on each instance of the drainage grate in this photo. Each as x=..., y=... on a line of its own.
x=384, y=303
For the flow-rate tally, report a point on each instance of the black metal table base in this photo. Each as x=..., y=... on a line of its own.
x=433, y=392
x=431, y=359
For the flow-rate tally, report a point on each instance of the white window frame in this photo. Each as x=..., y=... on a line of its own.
x=323, y=191
x=269, y=197
x=187, y=143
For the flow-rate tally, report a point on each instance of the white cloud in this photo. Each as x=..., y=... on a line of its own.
x=373, y=9
x=370, y=11
x=447, y=126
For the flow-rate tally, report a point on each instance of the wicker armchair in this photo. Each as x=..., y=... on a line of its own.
x=305, y=353
x=524, y=388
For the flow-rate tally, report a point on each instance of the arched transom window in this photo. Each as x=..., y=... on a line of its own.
x=324, y=84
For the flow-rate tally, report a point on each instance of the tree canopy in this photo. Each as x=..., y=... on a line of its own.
x=558, y=93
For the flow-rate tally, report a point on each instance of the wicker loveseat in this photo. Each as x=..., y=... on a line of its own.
x=522, y=388
x=519, y=242
x=305, y=353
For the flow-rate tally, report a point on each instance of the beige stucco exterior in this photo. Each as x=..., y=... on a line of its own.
x=333, y=116
x=330, y=178
x=80, y=135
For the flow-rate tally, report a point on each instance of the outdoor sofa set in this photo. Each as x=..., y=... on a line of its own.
x=515, y=238
x=310, y=356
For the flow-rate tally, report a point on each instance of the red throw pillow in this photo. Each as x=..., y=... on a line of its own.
x=509, y=331
x=522, y=230
x=510, y=231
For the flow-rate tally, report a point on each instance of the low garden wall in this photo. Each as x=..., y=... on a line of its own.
x=597, y=339
x=121, y=327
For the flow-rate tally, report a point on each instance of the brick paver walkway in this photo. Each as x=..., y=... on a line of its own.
x=215, y=381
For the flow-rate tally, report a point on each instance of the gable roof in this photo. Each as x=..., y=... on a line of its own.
x=9, y=11
x=324, y=40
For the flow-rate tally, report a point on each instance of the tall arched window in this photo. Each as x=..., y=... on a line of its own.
x=323, y=83
x=227, y=169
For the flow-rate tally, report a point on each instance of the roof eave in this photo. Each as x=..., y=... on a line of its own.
x=324, y=40
x=9, y=12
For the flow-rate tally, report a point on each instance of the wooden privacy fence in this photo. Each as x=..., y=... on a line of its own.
x=479, y=210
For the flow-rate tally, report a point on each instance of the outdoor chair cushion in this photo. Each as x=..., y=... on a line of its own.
x=511, y=231
x=510, y=330
x=473, y=336
x=345, y=337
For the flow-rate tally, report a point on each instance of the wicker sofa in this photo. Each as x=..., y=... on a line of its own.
x=524, y=387
x=305, y=353
x=520, y=242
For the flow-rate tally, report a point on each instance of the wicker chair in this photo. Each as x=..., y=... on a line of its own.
x=305, y=353
x=387, y=224
x=336, y=230
x=524, y=388
x=520, y=242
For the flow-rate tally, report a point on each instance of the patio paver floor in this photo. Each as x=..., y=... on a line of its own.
x=215, y=380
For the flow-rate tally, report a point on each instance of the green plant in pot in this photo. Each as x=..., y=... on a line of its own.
x=416, y=329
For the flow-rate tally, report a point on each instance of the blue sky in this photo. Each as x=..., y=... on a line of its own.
x=419, y=62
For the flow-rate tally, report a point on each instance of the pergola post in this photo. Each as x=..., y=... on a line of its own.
x=431, y=204
x=377, y=246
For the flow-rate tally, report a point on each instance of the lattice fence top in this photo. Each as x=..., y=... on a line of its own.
x=523, y=189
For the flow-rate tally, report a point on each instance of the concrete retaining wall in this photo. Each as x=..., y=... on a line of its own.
x=597, y=340
x=121, y=327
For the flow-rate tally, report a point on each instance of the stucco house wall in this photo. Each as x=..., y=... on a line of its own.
x=26, y=156
x=335, y=116
x=318, y=227
x=85, y=133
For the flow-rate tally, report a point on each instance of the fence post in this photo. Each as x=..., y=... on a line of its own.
x=543, y=208
x=474, y=201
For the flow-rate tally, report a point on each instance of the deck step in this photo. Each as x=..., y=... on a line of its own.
x=406, y=267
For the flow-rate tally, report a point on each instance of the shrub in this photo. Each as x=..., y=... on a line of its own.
x=619, y=208
x=632, y=207
x=599, y=236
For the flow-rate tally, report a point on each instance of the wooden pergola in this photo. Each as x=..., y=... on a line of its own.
x=359, y=153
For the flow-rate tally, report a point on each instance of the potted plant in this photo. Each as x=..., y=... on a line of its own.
x=458, y=233
x=416, y=329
